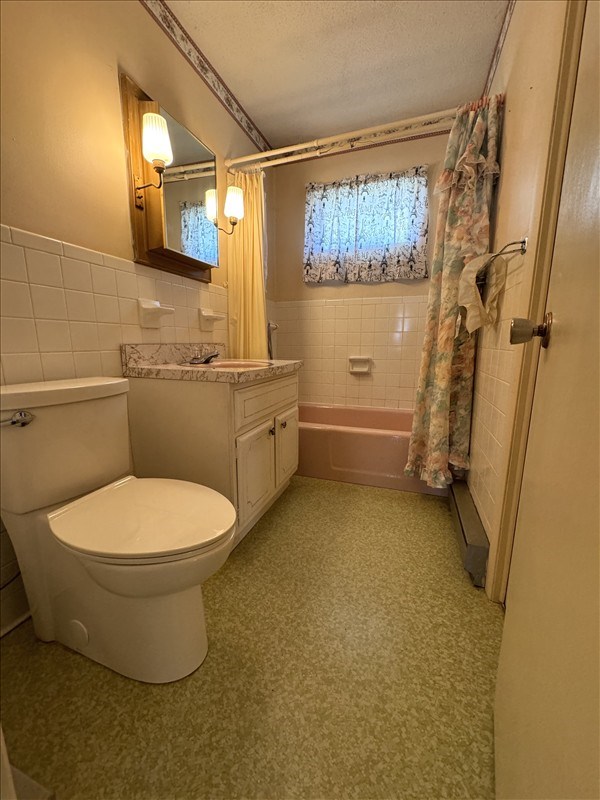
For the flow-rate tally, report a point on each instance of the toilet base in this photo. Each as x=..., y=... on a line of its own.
x=150, y=639
x=156, y=639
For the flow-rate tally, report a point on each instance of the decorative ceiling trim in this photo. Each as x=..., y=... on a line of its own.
x=499, y=45
x=164, y=17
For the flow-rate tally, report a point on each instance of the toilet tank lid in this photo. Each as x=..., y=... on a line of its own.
x=54, y=393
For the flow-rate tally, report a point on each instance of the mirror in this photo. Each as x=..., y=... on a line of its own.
x=185, y=183
x=170, y=228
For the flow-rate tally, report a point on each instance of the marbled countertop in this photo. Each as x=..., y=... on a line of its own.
x=165, y=363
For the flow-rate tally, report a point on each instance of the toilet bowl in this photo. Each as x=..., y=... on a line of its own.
x=114, y=571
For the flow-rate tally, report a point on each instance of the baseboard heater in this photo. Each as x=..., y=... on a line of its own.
x=474, y=544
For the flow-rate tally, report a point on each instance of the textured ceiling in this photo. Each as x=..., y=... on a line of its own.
x=304, y=70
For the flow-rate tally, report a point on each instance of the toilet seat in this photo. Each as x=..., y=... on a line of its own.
x=145, y=521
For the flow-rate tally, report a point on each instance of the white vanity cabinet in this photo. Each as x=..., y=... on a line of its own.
x=241, y=441
x=267, y=457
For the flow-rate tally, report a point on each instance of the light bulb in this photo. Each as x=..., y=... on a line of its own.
x=156, y=144
x=210, y=201
x=234, y=203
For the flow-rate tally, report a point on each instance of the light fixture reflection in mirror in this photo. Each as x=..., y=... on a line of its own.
x=186, y=181
x=234, y=207
x=210, y=202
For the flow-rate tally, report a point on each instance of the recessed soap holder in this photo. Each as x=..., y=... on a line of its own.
x=360, y=365
x=150, y=312
x=208, y=317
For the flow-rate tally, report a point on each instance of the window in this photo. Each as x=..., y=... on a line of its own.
x=198, y=233
x=369, y=228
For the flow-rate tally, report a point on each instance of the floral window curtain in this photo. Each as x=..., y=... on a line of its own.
x=198, y=233
x=370, y=228
x=442, y=419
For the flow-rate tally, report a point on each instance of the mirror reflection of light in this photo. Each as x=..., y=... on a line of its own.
x=234, y=207
x=210, y=200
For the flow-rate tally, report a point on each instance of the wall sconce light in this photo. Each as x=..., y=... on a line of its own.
x=156, y=148
x=234, y=207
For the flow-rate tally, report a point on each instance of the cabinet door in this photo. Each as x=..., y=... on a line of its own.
x=286, y=444
x=255, y=469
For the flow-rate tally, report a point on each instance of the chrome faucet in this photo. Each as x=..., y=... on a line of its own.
x=198, y=359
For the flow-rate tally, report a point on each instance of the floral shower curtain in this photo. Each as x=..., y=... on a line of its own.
x=442, y=419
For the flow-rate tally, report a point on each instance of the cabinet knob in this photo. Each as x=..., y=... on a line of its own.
x=284, y=424
x=272, y=431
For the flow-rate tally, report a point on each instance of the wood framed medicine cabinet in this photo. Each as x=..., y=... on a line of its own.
x=153, y=245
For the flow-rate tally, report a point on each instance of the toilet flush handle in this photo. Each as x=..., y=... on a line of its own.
x=19, y=418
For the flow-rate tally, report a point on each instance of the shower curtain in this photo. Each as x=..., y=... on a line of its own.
x=442, y=418
x=247, y=306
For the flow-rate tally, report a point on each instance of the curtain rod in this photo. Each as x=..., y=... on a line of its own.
x=355, y=147
x=196, y=166
x=427, y=120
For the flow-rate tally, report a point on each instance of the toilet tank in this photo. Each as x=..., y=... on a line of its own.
x=78, y=440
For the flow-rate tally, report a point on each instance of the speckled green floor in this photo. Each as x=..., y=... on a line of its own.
x=349, y=657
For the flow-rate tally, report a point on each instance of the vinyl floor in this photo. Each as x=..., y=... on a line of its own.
x=349, y=657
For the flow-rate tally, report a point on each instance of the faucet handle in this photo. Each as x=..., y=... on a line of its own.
x=205, y=359
x=210, y=356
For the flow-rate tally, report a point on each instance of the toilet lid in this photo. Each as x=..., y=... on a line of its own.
x=144, y=518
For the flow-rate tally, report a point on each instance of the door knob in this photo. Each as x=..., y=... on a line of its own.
x=523, y=330
x=284, y=424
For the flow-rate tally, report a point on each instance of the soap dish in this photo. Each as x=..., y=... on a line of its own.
x=150, y=312
x=360, y=365
x=208, y=317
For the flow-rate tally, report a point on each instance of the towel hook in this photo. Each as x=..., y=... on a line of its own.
x=522, y=249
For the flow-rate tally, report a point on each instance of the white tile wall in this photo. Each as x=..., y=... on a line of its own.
x=496, y=379
x=13, y=602
x=66, y=310
x=324, y=333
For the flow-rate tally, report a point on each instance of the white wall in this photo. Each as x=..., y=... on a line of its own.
x=527, y=73
x=64, y=171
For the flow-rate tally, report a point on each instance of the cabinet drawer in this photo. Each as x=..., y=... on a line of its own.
x=256, y=402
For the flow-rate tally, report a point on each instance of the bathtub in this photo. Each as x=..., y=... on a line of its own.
x=357, y=445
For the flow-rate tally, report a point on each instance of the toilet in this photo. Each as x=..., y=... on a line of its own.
x=113, y=565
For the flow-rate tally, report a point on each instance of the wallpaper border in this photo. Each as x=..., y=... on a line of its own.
x=172, y=27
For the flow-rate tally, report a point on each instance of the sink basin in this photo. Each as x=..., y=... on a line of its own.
x=232, y=363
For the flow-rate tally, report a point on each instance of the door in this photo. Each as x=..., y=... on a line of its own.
x=547, y=704
x=255, y=469
x=286, y=444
